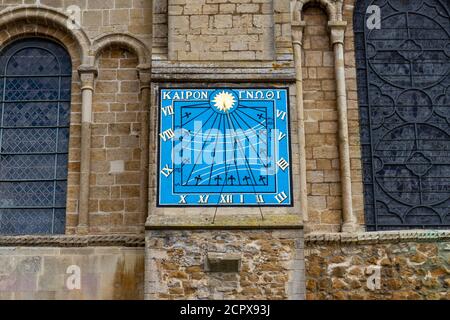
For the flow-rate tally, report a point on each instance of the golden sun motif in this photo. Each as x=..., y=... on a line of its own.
x=224, y=101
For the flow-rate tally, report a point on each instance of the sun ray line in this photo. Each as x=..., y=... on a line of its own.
x=199, y=155
x=253, y=147
x=215, y=149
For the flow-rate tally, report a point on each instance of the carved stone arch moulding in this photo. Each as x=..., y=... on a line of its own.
x=40, y=31
x=45, y=21
x=332, y=7
x=123, y=40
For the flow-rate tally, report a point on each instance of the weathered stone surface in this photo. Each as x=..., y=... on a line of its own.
x=407, y=270
x=267, y=267
x=227, y=31
x=244, y=41
x=42, y=273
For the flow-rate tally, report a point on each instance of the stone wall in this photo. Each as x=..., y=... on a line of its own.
x=353, y=113
x=114, y=32
x=410, y=266
x=223, y=43
x=116, y=145
x=107, y=273
x=271, y=265
x=321, y=125
x=221, y=30
x=101, y=17
x=321, y=121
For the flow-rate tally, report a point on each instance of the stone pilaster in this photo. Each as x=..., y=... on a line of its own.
x=337, y=32
x=298, y=28
x=145, y=86
x=87, y=76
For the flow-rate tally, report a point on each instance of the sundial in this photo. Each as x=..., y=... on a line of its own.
x=224, y=147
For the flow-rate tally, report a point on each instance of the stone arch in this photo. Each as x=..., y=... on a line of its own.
x=42, y=20
x=22, y=31
x=124, y=40
x=332, y=8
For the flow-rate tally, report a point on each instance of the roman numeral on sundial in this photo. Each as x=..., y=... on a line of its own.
x=260, y=199
x=168, y=111
x=227, y=198
x=283, y=164
x=281, y=197
x=203, y=199
x=281, y=114
x=167, y=135
x=166, y=171
x=183, y=200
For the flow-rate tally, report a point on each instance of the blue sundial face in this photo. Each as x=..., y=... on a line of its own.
x=224, y=147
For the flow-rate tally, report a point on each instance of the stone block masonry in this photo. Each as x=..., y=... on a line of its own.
x=271, y=265
x=321, y=125
x=100, y=17
x=41, y=273
x=130, y=48
x=112, y=38
x=223, y=43
x=221, y=30
x=383, y=266
x=116, y=145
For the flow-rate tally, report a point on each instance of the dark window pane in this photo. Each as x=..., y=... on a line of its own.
x=34, y=136
x=60, y=194
x=27, y=221
x=59, y=221
x=33, y=61
x=61, y=169
x=29, y=167
x=31, y=114
x=404, y=94
x=29, y=88
x=64, y=114
x=29, y=140
x=63, y=139
x=26, y=194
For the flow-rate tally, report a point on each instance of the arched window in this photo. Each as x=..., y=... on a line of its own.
x=35, y=88
x=403, y=70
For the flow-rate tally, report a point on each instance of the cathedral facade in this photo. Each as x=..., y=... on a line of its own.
x=224, y=149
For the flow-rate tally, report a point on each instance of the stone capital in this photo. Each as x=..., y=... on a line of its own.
x=145, y=76
x=337, y=31
x=298, y=28
x=87, y=76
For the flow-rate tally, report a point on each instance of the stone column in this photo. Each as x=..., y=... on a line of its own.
x=87, y=76
x=145, y=79
x=337, y=32
x=297, y=42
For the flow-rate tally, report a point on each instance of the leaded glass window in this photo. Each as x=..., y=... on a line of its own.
x=404, y=96
x=35, y=89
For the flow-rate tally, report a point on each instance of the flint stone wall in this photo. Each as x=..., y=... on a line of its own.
x=271, y=265
x=412, y=265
